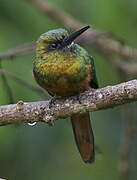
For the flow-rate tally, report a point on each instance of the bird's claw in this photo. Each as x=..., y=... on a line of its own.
x=52, y=101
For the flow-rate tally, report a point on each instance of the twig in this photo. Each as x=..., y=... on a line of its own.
x=99, y=40
x=124, y=68
x=8, y=90
x=93, y=38
x=18, y=51
x=91, y=100
x=128, y=68
x=38, y=90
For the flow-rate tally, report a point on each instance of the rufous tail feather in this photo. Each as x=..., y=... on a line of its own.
x=84, y=136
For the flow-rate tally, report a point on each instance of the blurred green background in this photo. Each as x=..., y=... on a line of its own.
x=40, y=152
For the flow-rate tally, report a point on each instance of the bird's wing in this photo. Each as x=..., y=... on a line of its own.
x=94, y=82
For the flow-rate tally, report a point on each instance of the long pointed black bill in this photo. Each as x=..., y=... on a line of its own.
x=74, y=35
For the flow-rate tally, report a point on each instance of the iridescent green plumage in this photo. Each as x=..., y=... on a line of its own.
x=63, y=68
x=73, y=65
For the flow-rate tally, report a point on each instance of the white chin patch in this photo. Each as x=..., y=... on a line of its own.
x=70, y=45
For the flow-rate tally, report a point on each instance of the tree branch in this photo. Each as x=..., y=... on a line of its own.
x=18, y=51
x=99, y=40
x=24, y=83
x=91, y=100
x=9, y=95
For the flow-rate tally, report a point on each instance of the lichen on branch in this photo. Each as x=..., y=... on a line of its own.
x=91, y=100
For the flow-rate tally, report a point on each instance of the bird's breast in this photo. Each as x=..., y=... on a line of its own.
x=63, y=78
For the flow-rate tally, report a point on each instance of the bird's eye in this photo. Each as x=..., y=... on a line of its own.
x=53, y=46
x=63, y=36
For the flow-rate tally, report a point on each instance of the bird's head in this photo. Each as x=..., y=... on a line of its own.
x=58, y=39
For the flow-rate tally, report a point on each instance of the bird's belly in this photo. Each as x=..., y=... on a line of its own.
x=61, y=81
x=64, y=87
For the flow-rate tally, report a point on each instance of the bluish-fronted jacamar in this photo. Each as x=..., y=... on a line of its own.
x=64, y=68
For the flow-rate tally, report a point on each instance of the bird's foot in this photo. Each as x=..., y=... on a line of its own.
x=52, y=101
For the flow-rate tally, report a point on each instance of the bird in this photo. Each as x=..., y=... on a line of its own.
x=64, y=68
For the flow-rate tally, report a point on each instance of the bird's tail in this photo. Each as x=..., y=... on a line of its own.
x=84, y=136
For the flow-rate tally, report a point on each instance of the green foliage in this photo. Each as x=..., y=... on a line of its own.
x=41, y=152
